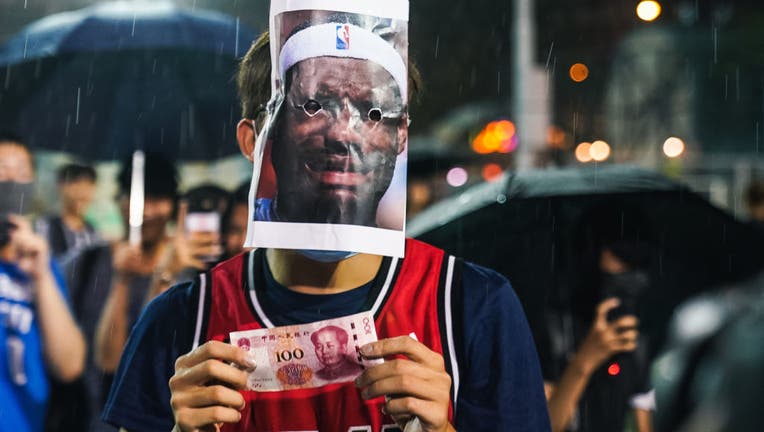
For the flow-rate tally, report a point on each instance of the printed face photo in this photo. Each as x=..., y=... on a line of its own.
x=336, y=145
x=330, y=349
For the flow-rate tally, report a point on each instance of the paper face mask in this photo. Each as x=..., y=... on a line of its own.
x=336, y=133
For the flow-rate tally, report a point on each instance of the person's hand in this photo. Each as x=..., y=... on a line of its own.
x=607, y=338
x=418, y=386
x=189, y=249
x=204, y=388
x=127, y=259
x=31, y=251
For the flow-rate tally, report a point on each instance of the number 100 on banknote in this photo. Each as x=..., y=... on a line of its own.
x=308, y=355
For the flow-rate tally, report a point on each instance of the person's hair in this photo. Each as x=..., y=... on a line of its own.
x=73, y=172
x=340, y=334
x=754, y=193
x=12, y=137
x=254, y=78
x=161, y=177
x=8, y=137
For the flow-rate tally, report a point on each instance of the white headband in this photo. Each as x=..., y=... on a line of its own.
x=343, y=40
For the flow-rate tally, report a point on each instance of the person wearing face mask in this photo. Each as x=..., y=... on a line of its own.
x=471, y=362
x=38, y=334
x=598, y=371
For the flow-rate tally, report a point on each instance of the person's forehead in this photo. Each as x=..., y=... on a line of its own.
x=13, y=154
x=340, y=71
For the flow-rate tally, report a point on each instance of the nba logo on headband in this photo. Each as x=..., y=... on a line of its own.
x=343, y=36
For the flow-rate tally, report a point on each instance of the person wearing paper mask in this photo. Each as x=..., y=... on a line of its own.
x=460, y=354
x=37, y=331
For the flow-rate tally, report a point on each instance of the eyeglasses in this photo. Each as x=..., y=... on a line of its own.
x=313, y=108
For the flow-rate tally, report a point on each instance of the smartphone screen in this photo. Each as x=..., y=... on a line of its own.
x=203, y=222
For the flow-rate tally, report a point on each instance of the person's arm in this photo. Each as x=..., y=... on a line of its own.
x=139, y=399
x=604, y=339
x=63, y=344
x=112, y=327
x=500, y=377
x=644, y=419
x=113, y=324
x=184, y=258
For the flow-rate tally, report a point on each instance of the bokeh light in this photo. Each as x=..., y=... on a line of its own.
x=582, y=152
x=579, y=72
x=648, y=10
x=457, y=176
x=673, y=147
x=555, y=137
x=492, y=172
x=599, y=151
x=614, y=369
x=497, y=136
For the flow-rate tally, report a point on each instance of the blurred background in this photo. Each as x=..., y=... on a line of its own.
x=673, y=85
x=549, y=132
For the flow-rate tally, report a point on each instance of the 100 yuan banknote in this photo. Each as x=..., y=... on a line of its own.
x=308, y=355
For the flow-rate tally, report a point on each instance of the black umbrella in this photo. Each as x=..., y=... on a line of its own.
x=102, y=81
x=526, y=226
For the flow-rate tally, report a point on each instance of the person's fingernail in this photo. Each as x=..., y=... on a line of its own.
x=384, y=411
x=367, y=349
x=249, y=361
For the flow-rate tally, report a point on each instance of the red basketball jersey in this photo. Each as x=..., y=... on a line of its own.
x=410, y=295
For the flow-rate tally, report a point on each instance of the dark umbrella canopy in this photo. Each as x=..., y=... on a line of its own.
x=104, y=80
x=526, y=226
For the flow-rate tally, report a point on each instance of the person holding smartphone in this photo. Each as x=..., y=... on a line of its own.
x=38, y=334
x=598, y=372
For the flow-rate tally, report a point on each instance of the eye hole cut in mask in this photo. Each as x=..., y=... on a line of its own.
x=313, y=108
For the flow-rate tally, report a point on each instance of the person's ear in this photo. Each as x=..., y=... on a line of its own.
x=403, y=134
x=245, y=135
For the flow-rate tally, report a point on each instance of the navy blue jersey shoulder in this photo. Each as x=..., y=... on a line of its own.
x=140, y=397
x=501, y=383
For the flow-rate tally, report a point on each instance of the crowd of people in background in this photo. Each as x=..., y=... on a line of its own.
x=100, y=287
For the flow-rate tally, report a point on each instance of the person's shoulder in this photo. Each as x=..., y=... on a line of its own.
x=177, y=299
x=488, y=293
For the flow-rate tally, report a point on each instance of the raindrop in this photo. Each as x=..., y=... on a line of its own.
x=437, y=45
x=26, y=42
x=77, y=112
x=25, y=4
x=501, y=198
x=236, y=39
x=7, y=77
x=549, y=56
x=716, y=44
x=726, y=82
x=132, y=32
x=737, y=83
x=498, y=82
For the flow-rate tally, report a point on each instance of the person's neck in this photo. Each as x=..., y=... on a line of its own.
x=303, y=275
x=73, y=220
x=7, y=253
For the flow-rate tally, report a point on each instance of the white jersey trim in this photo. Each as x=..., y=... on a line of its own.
x=252, y=291
x=386, y=287
x=449, y=329
x=200, y=310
